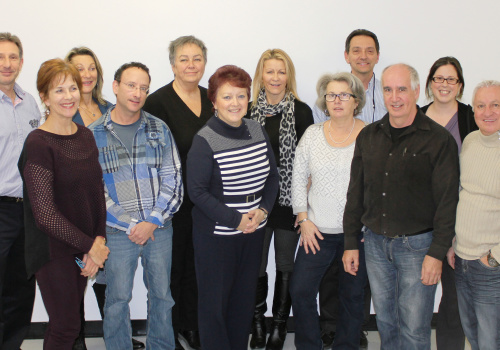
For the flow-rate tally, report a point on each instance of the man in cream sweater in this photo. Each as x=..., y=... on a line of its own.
x=477, y=244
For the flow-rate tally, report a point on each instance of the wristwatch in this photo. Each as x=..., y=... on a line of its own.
x=266, y=214
x=492, y=261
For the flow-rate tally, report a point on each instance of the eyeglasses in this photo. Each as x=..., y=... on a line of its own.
x=343, y=96
x=451, y=81
x=134, y=86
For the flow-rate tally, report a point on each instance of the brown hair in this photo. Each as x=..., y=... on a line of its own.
x=233, y=75
x=51, y=72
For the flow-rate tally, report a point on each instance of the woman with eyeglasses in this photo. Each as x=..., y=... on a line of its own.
x=276, y=106
x=445, y=86
x=323, y=162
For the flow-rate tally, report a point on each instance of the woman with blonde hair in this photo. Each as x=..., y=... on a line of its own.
x=276, y=107
x=92, y=104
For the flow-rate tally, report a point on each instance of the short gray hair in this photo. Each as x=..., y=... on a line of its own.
x=483, y=84
x=6, y=36
x=414, y=78
x=352, y=81
x=181, y=41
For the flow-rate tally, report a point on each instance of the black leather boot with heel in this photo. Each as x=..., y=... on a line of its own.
x=282, y=303
x=258, y=339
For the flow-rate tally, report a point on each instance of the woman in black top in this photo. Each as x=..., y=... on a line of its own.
x=184, y=106
x=276, y=106
x=445, y=85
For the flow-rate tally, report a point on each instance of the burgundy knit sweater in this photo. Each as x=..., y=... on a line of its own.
x=64, y=203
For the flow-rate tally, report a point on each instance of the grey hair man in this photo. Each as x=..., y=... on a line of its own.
x=403, y=189
x=362, y=52
x=19, y=115
x=477, y=244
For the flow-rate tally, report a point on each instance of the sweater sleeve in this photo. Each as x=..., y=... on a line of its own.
x=301, y=174
x=199, y=179
x=39, y=180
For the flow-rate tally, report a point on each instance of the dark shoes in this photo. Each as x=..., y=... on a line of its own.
x=137, y=344
x=363, y=341
x=327, y=339
x=258, y=339
x=192, y=338
x=178, y=345
x=80, y=343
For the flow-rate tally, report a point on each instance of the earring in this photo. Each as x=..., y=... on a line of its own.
x=327, y=113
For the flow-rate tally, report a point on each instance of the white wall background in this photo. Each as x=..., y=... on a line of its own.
x=236, y=32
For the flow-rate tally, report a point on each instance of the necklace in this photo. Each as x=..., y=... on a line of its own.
x=88, y=112
x=331, y=138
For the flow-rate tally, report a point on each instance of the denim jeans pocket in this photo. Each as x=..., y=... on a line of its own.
x=488, y=267
x=418, y=243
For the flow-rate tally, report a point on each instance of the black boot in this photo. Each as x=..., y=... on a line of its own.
x=80, y=341
x=258, y=340
x=281, y=310
x=100, y=295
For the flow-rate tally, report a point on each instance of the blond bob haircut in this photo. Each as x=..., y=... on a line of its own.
x=85, y=51
x=274, y=54
x=352, y=82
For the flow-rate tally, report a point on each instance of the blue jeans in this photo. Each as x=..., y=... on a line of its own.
x=478, y=289
x=308, y=272
x=403, y=304
x=156, y=259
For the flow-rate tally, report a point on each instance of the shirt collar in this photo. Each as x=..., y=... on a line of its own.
x=17, y=89
x=421, y=122
x=108, y=123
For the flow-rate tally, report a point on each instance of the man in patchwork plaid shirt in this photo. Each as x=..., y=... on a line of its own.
x=143, y=188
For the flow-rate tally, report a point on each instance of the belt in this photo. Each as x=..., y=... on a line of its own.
x=10, y=199
x=414, y=233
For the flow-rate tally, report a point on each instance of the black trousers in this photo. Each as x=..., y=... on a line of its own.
x=17, y=291
x=227, y=268
x=329, y=297
x=183, y=284
x=449, y=332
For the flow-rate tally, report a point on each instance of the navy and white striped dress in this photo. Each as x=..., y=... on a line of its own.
x=231, y=170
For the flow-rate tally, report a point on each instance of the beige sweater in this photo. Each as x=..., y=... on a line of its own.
x=478, y=211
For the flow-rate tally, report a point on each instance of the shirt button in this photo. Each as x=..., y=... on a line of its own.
x=390, y=154
x=383, y=194
x=386, y=174
x=383, y=214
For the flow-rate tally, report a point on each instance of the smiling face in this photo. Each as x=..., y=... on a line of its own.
x=338, y=108
x=400, y=100
x=131, y=91
x=487, y=109
x=10, y=64
x=63, y=97
x=231, y=104
x=362, y=55
x=189, y=65
x=444, y=92
x=274, y=78
x=87, y=68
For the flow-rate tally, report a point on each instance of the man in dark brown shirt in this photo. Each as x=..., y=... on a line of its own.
x=403, y=188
